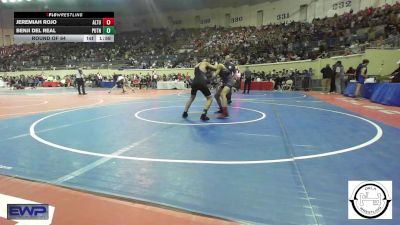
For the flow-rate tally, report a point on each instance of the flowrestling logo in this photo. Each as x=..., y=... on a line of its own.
x=370, y=200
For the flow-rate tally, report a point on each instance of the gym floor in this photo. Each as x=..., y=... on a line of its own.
x=280, y=158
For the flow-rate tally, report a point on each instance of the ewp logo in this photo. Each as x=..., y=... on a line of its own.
x=6, y=200
x=27, y=212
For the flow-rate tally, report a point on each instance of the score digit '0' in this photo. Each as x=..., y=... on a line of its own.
x=108, y=21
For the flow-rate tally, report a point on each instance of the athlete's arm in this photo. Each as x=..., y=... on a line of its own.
x=211, y=67
x=219, y=67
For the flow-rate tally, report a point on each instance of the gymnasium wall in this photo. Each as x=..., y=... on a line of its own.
x=245, y=15
x=6, y=27
x=6, y=37
x=382, y=62
x=248, y=15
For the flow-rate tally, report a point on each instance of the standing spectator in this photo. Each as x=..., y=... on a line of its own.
x=80, y=81
x=99, y=79
x=12, y=83
x=40, y=80
x=143, y=82
x=37, y=81
x=248, y=76
x=93, y=80
x=361, y=74
x=326, y=77
x=332, y=89
x=307, y=79
x=31, y=82
x=154, y=78
x=278, y=82
x=339, y=77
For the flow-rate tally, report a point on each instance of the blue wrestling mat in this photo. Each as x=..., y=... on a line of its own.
x=280, y=158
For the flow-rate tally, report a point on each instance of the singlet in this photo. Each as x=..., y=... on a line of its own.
x=200, y=77
x=226, y=76
x=231, y=67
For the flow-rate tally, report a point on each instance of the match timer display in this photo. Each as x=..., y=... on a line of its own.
x=64, y=26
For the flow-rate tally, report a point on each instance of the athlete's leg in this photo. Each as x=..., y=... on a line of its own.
x=208, y=103
x=217, y=97
x=123, y=84
x=189, y=102
x=129, y=86
x=224, y=96
x=206, y=92
x=229, y=96
x=224, y=102
x=115, y=85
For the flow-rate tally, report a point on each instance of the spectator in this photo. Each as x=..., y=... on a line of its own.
x=154, y=79
x=327, y=73
x=161, y=48
x=361, y=74
x=339, y=77
x=307, y=79
x=99, y=79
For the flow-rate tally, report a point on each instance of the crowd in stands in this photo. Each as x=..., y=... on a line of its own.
x=149, y=79
x=92, y=80
x=334, y=78
x=345, y=34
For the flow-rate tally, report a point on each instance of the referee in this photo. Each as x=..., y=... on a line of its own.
x=80, y=81
x=248, y=76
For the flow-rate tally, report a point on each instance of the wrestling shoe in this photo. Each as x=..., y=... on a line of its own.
x=204, y=117
x=224, y=113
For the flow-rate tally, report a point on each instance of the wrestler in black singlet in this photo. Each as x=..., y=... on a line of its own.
x=231, y=67
x=226, y=77
x=200, y=82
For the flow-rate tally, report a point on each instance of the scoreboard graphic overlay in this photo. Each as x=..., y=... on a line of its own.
x=64, y=26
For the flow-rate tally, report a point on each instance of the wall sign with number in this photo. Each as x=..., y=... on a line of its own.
x=176, y=22
x=282, y=16
x=237, y=19
x=341, y=4
x=173, y=21
x=205, y=21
